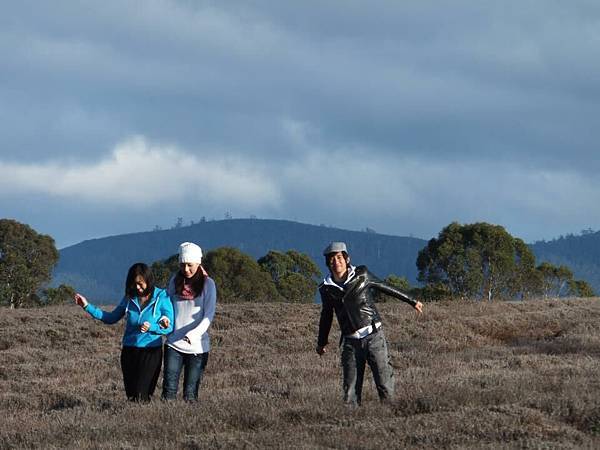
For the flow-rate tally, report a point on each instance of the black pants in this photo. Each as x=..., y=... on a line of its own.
x=141, y=367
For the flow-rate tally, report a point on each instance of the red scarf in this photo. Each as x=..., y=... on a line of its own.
x=187, y=293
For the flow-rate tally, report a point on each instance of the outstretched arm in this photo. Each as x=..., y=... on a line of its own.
x=390, y=290
x=104, y=316
x=396, y=293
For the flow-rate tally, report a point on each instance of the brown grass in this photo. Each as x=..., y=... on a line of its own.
x=468, y=375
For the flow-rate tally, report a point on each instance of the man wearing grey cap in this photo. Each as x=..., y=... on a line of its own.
x=347, y=291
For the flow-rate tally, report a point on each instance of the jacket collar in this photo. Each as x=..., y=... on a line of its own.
x=329, y=280
x=153, y=298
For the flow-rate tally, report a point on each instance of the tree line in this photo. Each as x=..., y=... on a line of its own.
x=475, y=261
x=278, y=276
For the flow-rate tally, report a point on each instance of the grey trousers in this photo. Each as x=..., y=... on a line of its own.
x=356, y=353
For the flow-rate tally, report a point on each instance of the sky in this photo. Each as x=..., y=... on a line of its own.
x=398, y=116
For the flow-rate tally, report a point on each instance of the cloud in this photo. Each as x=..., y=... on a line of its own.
x=138, y=174
x=419, y=112
x=462, y=81
x=419, y=196
x=350, y=189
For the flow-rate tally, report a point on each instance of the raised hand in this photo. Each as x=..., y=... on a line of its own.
x=80, y=300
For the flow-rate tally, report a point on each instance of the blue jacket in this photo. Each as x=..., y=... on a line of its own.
x=158, y=306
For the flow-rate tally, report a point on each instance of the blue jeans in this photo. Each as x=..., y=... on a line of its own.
x=356, y=354
x=194, y=365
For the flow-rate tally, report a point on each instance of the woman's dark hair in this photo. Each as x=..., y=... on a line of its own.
x=146, y=273
x=197, y=282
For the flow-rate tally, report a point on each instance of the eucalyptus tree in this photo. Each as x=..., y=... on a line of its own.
x=26, y=262
x=554, y=279
x=477, y=260
x=295, y=274
x=238, y=276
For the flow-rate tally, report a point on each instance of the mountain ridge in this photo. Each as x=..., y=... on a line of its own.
x=98, y=266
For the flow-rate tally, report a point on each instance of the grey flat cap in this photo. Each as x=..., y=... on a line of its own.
x=335, y=247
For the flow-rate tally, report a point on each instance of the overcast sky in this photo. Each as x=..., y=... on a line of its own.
x=400, y=116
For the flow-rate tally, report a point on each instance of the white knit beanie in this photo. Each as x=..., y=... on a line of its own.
x=190, y=253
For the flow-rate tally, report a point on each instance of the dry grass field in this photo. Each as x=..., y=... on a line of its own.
x=469, y=375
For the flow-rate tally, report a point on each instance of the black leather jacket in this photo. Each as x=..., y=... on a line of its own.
x=353, y=305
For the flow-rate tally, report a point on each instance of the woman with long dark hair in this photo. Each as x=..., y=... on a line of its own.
x=194, y=298
x=143, y=305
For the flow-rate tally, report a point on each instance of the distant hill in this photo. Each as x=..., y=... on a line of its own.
x=98, y=267
x=580, y=253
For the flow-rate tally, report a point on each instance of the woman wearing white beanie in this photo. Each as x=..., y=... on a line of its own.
x=194, y=297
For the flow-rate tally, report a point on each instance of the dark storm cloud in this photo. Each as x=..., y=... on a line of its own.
x=466, y=78
x=502, y=94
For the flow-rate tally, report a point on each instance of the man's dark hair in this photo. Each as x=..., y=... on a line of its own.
x=146, y=273
x=328, y=257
